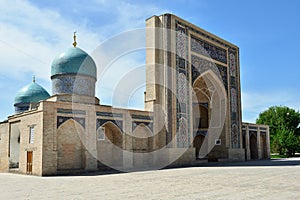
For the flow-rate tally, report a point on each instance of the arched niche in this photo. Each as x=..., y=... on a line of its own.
x=141, y=138
x=70, y=149
x=110, y=150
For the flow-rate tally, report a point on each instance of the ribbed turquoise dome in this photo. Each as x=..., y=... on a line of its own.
x=74, y=61
x=31, y=93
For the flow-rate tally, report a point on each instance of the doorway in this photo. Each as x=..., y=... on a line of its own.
x=253, y=146
x=198, y=141
x=29, y=162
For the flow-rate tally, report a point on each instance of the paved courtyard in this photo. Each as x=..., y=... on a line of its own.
x=275, y=179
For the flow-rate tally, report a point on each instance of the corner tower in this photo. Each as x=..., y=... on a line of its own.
x=74, y=72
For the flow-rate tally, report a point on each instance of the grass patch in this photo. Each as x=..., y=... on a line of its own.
x=277, y=156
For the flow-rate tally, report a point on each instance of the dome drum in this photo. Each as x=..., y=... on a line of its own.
x=21, y=107
x=73, y=84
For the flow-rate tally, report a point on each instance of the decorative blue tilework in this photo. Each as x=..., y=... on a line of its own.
x=207, y=49
x=135, y=124
x=200, y=65
x=73, y=84
x=118, y=123
x=142, y=117
x=61, y=120
x=109, y=114
x=182, y=85
x=70, y=111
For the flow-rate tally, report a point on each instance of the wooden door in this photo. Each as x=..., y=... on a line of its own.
x=29, y=162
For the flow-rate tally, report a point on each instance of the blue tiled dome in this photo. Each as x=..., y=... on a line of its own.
x=31, y=93
x=74, y=61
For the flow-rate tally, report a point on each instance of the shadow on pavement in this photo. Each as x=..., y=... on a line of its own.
x=255, y=163
x=251, y=163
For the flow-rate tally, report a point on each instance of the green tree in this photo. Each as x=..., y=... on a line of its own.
x=284, y=131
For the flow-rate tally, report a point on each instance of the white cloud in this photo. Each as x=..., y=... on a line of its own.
x=254, y=103
x=31, y=36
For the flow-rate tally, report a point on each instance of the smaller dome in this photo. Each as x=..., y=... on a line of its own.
x=74, y=61
x=31, y=93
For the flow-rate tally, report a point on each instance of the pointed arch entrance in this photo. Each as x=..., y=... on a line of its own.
x=70, y=150
x=110, y=149
x=209, y=112
x=141, y=144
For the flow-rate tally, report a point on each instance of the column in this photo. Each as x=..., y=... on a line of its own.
x=248, y=143
x=259, y=150
x=268, y=142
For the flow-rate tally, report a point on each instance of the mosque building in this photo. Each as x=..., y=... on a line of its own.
x=192, y=111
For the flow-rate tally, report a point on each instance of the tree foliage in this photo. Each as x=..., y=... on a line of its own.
x=284, y=131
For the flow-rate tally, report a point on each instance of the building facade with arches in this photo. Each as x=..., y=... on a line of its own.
x=192, y=111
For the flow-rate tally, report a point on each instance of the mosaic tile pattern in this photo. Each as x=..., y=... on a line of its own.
x=70, y=111
x=223, y=73
x=183, y=135
x=235, y=135
x=203, y=34
x=118, y=123
x=228, y=72
x=182, y=93
x=142, y=117
x=181, y=42
x=72, y=84
x=182, y=88
x=209, y=50
x=234, y=103
x=135, y=124
x=233, y=100
x=200, y=65
x=62, y=119
x=232, y=65
x=109, y=114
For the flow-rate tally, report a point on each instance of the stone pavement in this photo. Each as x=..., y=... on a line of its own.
x=271, y=179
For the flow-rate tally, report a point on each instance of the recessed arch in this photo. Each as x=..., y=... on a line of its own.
x=211, y=79
x=61, y=120
x=143, y=125
x=113, y=133
x=70, y=149
x=110, y=150
x=209, y=90
x=141, y=138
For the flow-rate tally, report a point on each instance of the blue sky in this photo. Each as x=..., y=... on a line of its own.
x=267, y=32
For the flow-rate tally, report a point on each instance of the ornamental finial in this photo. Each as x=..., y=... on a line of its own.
x=74, y=37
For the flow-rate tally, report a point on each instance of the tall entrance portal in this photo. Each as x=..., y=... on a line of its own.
x=178, y=57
